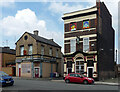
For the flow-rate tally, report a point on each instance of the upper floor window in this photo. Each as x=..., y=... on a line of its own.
x=85, y=44
x=86, y=24
x=50, y=51
x=42, y=50
x=72, y=26
x=30, y=49
x=57, y=53
x=22, y=50
x=72, y=45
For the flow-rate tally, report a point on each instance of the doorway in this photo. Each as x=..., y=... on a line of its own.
x=19, y=70
x=14, y=71
x=37, y=71
x=90, y=72
x=69, y=70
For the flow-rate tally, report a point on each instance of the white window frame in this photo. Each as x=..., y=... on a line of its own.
x=79, y=65
x=30, y=49
x=72, y=45
x=88, y=69
x=22, y=50
x=86, y=45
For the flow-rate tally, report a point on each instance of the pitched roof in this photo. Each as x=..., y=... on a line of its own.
x=7, y=50
x=44, y=40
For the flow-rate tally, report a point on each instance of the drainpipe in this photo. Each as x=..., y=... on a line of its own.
x=32, y=64
x=51, y=69
x=40, y=69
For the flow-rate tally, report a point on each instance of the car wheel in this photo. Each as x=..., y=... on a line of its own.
x=11, y=84
x=85, y=82
x=67, y=81
x=92, y=82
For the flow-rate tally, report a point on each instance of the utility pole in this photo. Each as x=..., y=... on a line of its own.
x=116, y=56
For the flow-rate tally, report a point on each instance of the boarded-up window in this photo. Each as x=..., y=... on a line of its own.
x=26, y=68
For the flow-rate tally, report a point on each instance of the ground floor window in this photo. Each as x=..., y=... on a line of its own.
x=79, y=67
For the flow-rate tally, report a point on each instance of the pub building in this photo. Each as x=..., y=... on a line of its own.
x=89, y=42
x=37, y=56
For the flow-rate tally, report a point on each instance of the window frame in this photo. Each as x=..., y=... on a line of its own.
x=72, y=45
x=50, y=51
x=83, y=24
x=87, y=44
x=29, y=49
x=57, y=53
x=75, y=26
x=22, y=52
x=42, y=50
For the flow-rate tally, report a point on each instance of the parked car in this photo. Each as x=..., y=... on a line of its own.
x=78, y=78
x=5, y=79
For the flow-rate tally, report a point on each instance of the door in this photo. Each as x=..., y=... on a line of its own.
x=36, y=72
x=69, y=67
x=14, y=71
x=19, y=72
x=69, y=70
x=90, y=72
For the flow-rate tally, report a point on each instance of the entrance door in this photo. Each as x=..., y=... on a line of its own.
x=14, y=71
x=69, y=70
x=19, y=72
x=36, y=72
x=90, y=72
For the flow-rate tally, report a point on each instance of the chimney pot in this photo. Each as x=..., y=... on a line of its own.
x=36, y=32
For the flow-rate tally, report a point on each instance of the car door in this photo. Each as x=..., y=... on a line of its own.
x=71, y=77
x=78, y=78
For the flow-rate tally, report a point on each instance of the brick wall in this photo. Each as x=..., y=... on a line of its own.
x=8, y=70
x=7, y=58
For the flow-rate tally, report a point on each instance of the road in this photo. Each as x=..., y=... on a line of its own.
x=22, y=84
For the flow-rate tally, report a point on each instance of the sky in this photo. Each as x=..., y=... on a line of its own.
x=17, y=17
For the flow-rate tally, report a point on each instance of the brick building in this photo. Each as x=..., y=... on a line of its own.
x=89, y=42
x=37, y=56
x=7, y=60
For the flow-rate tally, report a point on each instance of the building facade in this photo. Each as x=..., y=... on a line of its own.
x=89, y=42
x=7, y=60
x=37, y=56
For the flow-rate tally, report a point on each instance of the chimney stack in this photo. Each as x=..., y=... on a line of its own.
x=51, y=39
x=36, y=32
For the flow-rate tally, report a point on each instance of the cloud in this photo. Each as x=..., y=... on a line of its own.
x=26, y=20
x=61, y=8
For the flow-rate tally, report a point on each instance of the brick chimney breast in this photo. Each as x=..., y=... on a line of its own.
x=36, y=32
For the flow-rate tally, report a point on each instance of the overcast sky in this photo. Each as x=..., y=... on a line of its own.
x=17, y=16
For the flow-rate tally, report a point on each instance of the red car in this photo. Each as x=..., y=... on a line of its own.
x=78, y=78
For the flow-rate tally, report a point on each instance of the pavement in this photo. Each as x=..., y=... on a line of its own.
x=61, y=80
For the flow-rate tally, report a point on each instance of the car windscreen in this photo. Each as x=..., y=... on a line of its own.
x=84, y=75
x=3, y=73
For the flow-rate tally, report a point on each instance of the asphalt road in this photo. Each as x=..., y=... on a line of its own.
x=22, y=84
